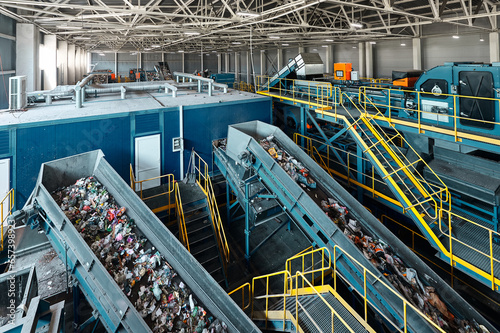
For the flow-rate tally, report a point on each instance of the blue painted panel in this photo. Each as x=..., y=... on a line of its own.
x=147, y=123
x=171, y=159
x=203, y=125
x=8, y=53
x=36, y=145
x=4, y=142
x=4, y=90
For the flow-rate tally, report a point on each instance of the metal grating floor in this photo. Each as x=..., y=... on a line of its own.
x=321, y=314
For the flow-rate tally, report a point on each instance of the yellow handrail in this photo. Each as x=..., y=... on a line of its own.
x=249, y=298
x=205, y=183
x=303, y=257
x=421, y=115
x=180, y=218
x=9, y=197
x=170, y=180
x=406, y=305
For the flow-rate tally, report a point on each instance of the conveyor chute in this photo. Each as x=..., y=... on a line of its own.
x=117, y=312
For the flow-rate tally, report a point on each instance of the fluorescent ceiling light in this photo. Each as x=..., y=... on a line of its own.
x=373, y=42
x=403, y=44
x=181, y=51
x=214, y=51
x=147, y=49
x=102, y=54
x=81, y=37
x=247, y=13
x=328, y=40
x=69, y=27
x=354, y=47
x=285, y=44
x=315, y=49
x=155, y=45
x=191, y=32
x=274, y=37
x=456, y=36
x=324, y=45
x=356, y=25
x=481, y=39
x=236, y=43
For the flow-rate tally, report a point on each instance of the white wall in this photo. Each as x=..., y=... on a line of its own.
x=389, y=55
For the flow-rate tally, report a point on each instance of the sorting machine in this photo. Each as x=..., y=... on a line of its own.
x=244, y=161
x=115, y=310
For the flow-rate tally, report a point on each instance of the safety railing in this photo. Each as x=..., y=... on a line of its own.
x=489, y=254
x=331, y=164
x=6, y=206
x=243, y=86
x=431, y=193
x=338, y=252
x=319, y=94
x=205, y=182
x=168, y=180
x=428, y=120
x=313, y=263
x=183, y=236
x=245, y=304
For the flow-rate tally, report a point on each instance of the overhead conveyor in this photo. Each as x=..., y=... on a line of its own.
x=243, y=149
x=115, y=310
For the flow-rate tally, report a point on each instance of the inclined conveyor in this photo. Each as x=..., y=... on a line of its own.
x=244, y=149
x=116, y=311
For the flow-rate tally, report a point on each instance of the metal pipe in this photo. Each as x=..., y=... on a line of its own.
x=181, y=135
x=123, y=91
x=78, y=97
x=86, y=80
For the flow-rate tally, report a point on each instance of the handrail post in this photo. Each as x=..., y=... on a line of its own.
x=491, y=260
x=365, y=297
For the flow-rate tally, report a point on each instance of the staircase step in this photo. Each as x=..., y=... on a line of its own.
x=213, y=267
x=192, y=208
x=202, y=247
x=199, y=237
x=207, y=255
x=195, y=217
x=194, y=227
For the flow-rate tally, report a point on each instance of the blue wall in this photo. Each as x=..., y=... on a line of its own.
x=31, y=144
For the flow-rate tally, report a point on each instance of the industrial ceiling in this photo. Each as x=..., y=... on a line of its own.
x=227, y=25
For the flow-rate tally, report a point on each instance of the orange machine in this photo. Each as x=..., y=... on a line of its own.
x=342, y=71
x=405, y=78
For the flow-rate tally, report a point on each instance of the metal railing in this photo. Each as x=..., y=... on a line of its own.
x=339, y=252
x=180, y=217
x=204, y=181
x=422, y=116
x=168, y=180
x=243, y=287
x=308, y=262
x=6, y=206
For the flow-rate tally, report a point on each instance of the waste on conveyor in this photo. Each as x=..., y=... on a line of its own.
x=404, y=279
x=151, y=284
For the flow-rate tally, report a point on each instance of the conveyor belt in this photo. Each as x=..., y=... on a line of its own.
x=319, y=228
x=116, y=311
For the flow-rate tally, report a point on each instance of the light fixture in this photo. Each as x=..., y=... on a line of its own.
x=247, y=13
x=147, y=49
x=191, y=32
x=324, y=45
x=354, y=47
x=315, y=49
x=102, y=54
x=456, y=36
x=373, y=43
x=274, y=37
x=356, y=25
x=236, y=43
x=285, y=44
x=328, y=40
x=81, y=37
x=155, y=45
x=403, y=44
x=481, y=39
x=214, y=51
x=181, y=51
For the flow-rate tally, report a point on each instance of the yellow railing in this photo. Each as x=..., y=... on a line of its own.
x=204, y=181
x=406, y=305
x=423, y=117
x=8, y=201
x=308, y=262
x=137, y=186
x=243, y=287
x=180, y=217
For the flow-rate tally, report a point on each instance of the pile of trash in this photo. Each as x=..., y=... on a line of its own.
x=143, y=274
x=404, y=279
x=290, y=164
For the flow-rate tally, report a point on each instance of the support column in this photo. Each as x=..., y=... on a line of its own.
x=280, y=58
x=263, y=62
x=78, y=65
x=226, y=62
x=183, y=62
x=494, y=47
x=83, y=61
x=219, y=63
x=236, y=67
x=249, y=68
x=301, y=49
x=362, y=57
x=417, y=53
x=369, y=59
x=71, y=64
x=329, y=59
x=48, y=62
x=116, y=64
x=62, y=62
x=27, y=40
